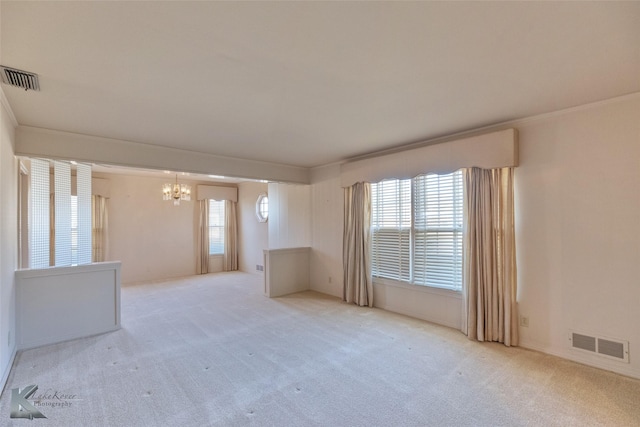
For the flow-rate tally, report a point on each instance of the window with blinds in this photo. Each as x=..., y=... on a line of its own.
x=74, y=230
x=216, y=227
x=437, y=242
x=84, y=245
x=391, y=229
x=62, y=213
x=417, y=230
x=59, y=222
x=39, y=214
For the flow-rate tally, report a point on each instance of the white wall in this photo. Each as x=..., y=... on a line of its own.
x=286, y=271
x=63, y=303
x=54, y=144
x=8, y=238
x=153, y=238
x=327, y=217
x=289, y=215
x=253, y=236
x=577, y=237
x=578, y=229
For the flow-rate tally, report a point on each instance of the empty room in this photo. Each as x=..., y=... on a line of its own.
x=319, y=213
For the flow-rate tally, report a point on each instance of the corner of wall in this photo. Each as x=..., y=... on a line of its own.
x=252, y=234
x=324, y=173
x=7, y=369
x=8, y=237
x=326, y=230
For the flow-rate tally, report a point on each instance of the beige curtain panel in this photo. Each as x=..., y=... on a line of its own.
x=230, y=236
x=202, y=263
x=99, y=229
x=356, y=251
x=490, y=257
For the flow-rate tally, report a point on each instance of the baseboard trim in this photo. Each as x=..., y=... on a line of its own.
x=611, y=366
x=7, y=372
x=419, y=316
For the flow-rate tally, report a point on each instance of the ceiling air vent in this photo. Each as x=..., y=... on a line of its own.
x=23, y=79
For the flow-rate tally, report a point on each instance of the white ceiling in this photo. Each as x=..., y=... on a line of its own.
x=310, y=83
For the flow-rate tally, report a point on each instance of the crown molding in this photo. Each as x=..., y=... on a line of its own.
x=513, y=123
x=5, y=103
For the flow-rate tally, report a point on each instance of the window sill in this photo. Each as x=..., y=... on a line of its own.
x=419, y=288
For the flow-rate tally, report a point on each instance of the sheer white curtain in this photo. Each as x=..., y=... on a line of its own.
x=230, y=236
x=202, y=264
x=100, y=230
x=490, y=257
x=356, y=250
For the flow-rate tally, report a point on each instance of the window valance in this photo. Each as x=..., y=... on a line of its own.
x=492, y=150
x=217, y=192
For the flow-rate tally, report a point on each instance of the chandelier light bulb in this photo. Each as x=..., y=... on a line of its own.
x=176, y=192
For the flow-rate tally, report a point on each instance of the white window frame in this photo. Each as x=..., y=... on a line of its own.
x=216, y=248
x=262, y=207
x=453, y=247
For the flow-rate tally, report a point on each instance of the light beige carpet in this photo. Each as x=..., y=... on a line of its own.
x=212, y=350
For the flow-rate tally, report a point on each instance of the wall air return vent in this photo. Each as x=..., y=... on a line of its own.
x=583, y=342
x=613, y=349
x=19, y=78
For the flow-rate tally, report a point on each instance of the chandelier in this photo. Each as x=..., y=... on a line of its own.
x=176, y=192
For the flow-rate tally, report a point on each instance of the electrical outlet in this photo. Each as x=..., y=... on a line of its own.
x=524, y=321
x=259, y=267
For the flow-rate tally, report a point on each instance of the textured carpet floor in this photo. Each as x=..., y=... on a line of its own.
x=212, y=350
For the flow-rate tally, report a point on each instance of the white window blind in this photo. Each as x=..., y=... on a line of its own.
x=391, y=229
x=39, y=214
x=84, y=231
x=437, y=257
x=417, y=230
x=62, y=231
x=216, y=227
x=62, y=212
x=74, y=230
